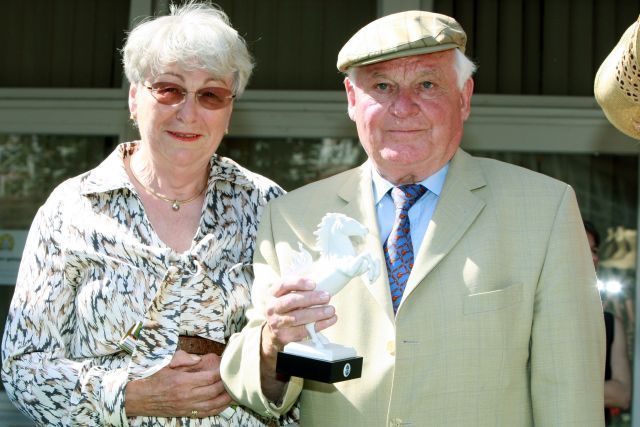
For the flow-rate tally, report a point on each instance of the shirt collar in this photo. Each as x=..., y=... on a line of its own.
x=111, y=174
x=381, y=186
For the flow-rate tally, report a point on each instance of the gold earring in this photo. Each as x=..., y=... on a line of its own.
x=226, y=131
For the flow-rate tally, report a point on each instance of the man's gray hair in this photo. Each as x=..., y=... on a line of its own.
x=464, y=68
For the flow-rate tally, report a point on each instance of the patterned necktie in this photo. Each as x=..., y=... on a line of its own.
x=398, y=249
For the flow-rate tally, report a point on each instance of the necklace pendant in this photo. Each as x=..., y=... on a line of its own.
x=175, y=206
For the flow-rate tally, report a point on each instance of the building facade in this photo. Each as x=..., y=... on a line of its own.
x=63, y=107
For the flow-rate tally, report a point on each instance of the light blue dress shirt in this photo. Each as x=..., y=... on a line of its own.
x=420, y=213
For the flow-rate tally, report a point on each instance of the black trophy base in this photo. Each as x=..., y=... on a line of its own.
x=319, y=370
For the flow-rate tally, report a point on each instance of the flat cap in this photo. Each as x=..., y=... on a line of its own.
x=413, y=32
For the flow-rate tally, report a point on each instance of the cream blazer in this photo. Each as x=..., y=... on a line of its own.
x=500, y=325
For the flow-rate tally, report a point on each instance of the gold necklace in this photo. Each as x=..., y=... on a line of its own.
x=175, y=203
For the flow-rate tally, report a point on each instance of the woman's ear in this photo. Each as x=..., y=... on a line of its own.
x=133, y=104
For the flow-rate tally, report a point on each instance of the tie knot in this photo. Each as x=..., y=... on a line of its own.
x=405, y=196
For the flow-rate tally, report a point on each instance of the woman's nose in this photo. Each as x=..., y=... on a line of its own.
x=187, y=109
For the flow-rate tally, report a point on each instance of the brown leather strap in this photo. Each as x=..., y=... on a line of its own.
x=199, y=345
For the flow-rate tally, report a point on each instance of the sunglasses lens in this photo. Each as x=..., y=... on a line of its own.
x=168, y=94
x=213, y=98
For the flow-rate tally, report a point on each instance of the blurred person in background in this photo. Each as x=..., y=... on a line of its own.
x=617, y=374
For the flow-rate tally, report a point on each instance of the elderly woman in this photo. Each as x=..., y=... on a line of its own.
x=135, y=273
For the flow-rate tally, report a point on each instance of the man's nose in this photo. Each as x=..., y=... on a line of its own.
x=404, y=104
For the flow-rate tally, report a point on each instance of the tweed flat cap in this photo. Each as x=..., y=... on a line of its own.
x=401, y=34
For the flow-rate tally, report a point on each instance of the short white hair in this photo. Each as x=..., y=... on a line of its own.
x=194, y=36
x=462, y=65
x=464, y=68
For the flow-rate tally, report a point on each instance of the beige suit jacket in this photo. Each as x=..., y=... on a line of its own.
x=500, y=324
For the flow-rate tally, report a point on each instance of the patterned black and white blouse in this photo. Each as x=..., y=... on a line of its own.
x=93, y=267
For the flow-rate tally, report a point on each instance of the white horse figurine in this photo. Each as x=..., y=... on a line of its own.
x=338, y=262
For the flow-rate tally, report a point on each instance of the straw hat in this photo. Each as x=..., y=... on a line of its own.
x=617, y=84
x=413, y=32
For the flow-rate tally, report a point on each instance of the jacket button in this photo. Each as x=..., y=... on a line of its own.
x=391, y=348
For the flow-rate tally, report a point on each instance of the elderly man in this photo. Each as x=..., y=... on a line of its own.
x=491, y=317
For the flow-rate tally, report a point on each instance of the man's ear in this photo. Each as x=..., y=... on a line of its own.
x=351, y=98
x=465, y=98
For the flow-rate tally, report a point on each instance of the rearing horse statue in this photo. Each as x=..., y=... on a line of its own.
x=338, y=262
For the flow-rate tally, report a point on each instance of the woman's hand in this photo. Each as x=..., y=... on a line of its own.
x=189, y=383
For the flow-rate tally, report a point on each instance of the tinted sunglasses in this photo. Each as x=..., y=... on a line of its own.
x=211, y=98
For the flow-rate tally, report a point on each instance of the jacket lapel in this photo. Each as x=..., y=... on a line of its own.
x=357, y=192
x=456, y=210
